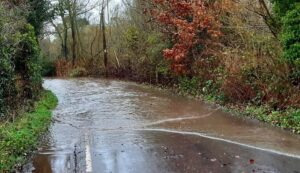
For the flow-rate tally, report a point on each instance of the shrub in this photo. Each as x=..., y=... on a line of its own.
x=20, y=75
x=7, y=85
x=189, y=85
x=291, y=36
x=7, y=75
x=281, y=7
x=48, y=68
x=62, y=67
x=295, y=119
x=28, y=62
x=78, y=72
x=132, y=38
x=236, y=90
x=291, y=42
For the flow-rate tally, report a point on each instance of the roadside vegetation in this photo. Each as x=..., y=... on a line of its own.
x=20, y=138
x=243, y=55
x=25, y=108
x=20, y=55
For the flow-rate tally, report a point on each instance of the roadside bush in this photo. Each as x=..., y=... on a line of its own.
x=62, y=67
x=155, y=46
x=291, y=42
x=28, y=62
x=294, y=120
x=48, y=68
x=78, y=72
x=7, y=73
x=20, y=71
x=237, y=91
x=132, y=37
x=7, y=85
x=189, y=85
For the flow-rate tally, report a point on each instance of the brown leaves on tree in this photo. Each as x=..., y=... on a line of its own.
x=190, y=23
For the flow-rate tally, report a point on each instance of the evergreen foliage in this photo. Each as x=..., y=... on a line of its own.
x=39, y=13
x=20, y=57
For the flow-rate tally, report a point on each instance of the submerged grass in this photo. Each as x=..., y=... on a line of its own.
x=22, y=136
x=288, y=119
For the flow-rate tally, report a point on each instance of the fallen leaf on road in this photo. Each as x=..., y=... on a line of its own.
x=213, y=160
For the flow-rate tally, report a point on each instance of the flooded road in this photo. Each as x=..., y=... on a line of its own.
x=109, y=126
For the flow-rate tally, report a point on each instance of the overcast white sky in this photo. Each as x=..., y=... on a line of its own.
x=95, y=17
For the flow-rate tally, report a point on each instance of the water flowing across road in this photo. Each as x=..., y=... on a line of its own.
x=121, y=127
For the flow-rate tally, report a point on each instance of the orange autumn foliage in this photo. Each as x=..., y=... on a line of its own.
x=190, y=23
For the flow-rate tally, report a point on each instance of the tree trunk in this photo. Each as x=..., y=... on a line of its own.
x=72, y=15
x=79, y=47
x=74, y=43
x=59, y=36
x=104, y=43
x=65, y=48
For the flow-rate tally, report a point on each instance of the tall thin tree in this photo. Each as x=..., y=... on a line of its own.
x=103, y=28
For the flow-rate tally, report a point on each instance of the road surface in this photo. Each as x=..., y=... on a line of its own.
x=108, y=126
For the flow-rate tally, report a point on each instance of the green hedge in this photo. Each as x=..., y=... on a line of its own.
x=28, y=62
x=7, y=82
x=20, y=69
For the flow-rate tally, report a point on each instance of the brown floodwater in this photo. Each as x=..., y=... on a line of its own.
x=110, y=126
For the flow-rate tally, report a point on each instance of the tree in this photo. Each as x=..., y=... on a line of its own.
x=59, y=10
x=291, y=36
x=38, y=14
x=71, y=18
x=104, y=5
x=268, y=17
x=291, y=42
x=281, y=7
x=104, y=42
x=191, y=24
x=288, y=13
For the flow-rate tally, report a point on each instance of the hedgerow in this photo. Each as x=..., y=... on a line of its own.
x=20, y=69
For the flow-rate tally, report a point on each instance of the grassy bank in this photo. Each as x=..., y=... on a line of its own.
x=19, y=138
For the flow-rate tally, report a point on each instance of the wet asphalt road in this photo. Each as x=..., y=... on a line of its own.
x=109, y=126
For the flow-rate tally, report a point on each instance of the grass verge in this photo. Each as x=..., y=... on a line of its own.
x=19, y=138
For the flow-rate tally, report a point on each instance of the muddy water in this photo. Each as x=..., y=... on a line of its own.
x=112, y=126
